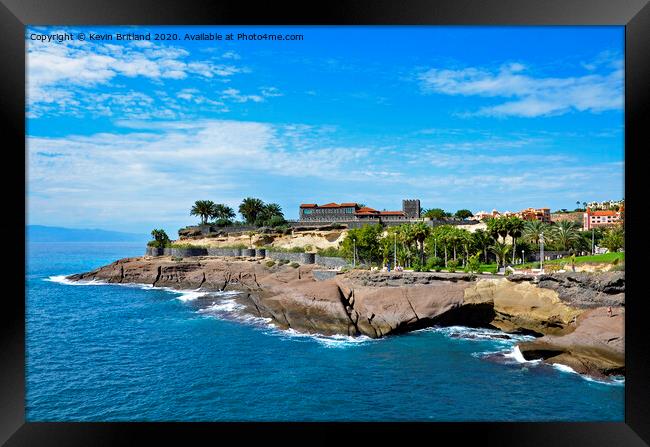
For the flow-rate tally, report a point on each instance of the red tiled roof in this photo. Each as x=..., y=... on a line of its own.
x=308, y=205
x=367, y=209
x=392, y=213
x=603, y=213
x=349, y=204
x=330, y=205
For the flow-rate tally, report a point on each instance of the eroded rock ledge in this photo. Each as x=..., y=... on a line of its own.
x=380, y=303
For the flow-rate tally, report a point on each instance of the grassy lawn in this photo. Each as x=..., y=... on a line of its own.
x=605, y=258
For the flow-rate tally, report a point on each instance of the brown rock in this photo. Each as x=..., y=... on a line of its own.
x=595, y=347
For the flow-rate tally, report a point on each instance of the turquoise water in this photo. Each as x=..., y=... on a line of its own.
x=127, y=353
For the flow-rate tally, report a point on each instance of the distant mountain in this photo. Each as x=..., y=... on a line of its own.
x=40, y=233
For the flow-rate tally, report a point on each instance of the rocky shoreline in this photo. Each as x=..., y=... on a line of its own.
x=568, y=312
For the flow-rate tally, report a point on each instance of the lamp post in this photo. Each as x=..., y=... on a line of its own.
x=395, y=251
x=541, y=252
x=522, y=257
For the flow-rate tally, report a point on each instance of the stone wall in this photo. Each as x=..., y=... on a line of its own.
x=189, y=252
x=329, y=261
x=300, y=258
x=224, y=251
x=154, y=251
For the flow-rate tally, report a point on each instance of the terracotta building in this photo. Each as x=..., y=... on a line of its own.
x=600, y=218
x=351, y=211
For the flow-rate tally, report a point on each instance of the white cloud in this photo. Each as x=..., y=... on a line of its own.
x=232, y=94
x=59, y=75
x=531, y=96
x=154, y=171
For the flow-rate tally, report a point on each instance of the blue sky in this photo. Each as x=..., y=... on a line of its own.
x=127, y=135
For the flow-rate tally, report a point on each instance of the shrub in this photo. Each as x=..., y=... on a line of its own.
x=270, y=263
x=437, y=268
x=283, y=261
x=161, y=240
x=452, y=265
x=276, y=221
x=294, y=265
x=330, y=252
x=308, y=248
x=434, y=262
x=474, y=264
x=417, y=266
x=176, y=258
x=182, y=245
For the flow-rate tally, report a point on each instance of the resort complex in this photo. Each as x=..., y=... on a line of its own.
x=355, y=212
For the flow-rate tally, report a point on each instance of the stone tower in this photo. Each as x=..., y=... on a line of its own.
x=411, y=208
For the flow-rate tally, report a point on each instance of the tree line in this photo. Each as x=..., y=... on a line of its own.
x=420, y=246
x=253, y=210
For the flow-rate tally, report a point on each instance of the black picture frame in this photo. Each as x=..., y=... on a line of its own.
x=15, y=14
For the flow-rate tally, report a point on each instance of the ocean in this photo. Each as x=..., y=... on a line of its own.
x=98, y=352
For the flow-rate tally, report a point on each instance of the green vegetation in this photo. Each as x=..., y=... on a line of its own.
x=435, y=213
x=420, y=247
x=614, y=239
x=294, y=265
x=261, y=214
x=615, y=258
x=361, y=245
x=185, y=245
x=473, y=264
x=207, y=209
x=270, y=263
x=250, y=208
x=463, y=214
x=160, y=239
x=285, y=250
x=203, y=209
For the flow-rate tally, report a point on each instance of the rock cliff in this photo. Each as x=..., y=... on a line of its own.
x=564, y=309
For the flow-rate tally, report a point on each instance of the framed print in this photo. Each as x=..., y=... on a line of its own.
x=372, y=218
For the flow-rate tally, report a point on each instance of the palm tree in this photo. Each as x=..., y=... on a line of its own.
x=204, y=209
x=465, y=238
x=501, y=250
x=498, y=227
x=272, y=209
x=484, y=240
x=250, y=208
x=454, y=238
x=420, y=231
x=515, y=229
x=565, y=234
x=222, y=211
x=614, y=239
x=532, y=230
